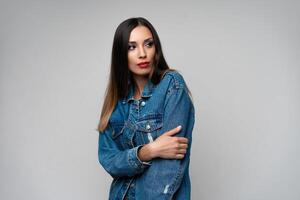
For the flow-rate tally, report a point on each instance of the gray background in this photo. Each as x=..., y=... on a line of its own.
x=239, y=58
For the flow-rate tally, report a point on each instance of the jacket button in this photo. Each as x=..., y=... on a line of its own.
x=143, y=103
x=148, y=127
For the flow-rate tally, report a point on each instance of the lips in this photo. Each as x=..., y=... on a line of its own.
x=143, y=64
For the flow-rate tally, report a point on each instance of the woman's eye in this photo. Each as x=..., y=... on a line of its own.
x=131, y=47
x=149, y=44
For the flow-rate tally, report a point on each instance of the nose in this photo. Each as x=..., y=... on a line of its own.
x=142, y=53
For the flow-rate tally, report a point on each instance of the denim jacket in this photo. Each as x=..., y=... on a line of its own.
x=135, y=123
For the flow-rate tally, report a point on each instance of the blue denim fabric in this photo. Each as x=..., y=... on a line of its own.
x=130, y=195
x=135, y=123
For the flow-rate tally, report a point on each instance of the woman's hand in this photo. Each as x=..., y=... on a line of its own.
x=168, y=146
x=165, y=146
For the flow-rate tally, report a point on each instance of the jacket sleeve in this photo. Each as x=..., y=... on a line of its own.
x=118, y=163
x=179, y=110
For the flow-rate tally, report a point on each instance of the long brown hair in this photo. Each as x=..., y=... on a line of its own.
x=120, y=76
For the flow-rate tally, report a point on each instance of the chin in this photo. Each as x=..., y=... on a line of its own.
x=142, y=74
x=139, y=72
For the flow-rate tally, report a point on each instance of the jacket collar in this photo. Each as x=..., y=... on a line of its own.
x=147, y=91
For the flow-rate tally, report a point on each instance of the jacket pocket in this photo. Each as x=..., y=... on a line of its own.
x=122, y=135
x=118, y=134
x=117, y=129
x=149, y=126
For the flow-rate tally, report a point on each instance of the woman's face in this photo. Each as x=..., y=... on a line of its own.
x=141, y=51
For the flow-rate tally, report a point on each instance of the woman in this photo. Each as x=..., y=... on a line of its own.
x=146, y=121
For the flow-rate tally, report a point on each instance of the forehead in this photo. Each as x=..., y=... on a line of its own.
x=140, y=33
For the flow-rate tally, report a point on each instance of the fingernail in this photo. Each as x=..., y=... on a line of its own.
x=179, y=127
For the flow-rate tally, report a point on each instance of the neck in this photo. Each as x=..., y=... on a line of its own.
x=140, y=83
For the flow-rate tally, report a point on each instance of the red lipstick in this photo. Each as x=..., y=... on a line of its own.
x=143, y=64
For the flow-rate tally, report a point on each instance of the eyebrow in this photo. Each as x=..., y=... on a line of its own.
x=147, y=40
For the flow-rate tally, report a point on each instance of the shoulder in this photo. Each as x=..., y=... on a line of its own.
x=174, y=79
x=176, y=89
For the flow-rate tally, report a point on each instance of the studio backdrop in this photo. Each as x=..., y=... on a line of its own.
x=240, y=60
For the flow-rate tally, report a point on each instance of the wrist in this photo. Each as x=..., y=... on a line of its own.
x=151, y=150
x=146, y=153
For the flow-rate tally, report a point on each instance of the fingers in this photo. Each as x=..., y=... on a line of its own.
x=182, y=146
x=182, y=140
x=173, y=131
x=181, y=151
x=179, y=156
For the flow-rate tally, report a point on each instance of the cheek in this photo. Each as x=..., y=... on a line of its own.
x=131, y=62
x=130, y=58
x=152, y=53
